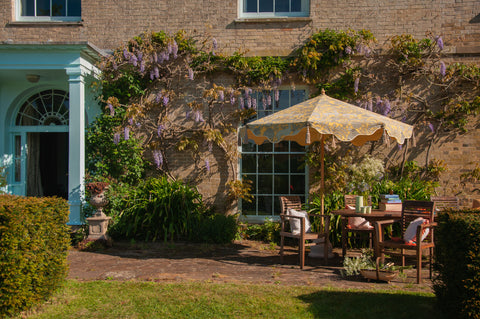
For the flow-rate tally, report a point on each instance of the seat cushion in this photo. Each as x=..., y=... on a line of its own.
x=358, y=223
x=410, y=235
x=295, y=222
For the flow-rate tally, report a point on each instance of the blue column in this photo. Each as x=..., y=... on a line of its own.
x=76, y=146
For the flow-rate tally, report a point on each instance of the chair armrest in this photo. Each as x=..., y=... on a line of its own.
x=379, y=225
x=421, y=228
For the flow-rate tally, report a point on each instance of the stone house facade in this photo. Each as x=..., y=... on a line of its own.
x=49, y=52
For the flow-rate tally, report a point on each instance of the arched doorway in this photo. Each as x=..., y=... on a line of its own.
x=41, y=144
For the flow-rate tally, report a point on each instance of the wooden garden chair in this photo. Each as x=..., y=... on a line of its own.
x=352, y=228
x=443, y=202
x=411, y=211
x=296, y=224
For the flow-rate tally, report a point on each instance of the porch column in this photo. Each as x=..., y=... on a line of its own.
x=76, y=144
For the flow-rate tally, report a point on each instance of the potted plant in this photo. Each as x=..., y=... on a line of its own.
x=97, y=196
x=364, y=265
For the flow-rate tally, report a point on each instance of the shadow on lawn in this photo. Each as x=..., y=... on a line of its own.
x=371, y=305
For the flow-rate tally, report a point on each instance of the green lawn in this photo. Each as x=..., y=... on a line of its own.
x=114, y=299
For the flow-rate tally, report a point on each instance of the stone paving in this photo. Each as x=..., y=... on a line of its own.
x=246, y=262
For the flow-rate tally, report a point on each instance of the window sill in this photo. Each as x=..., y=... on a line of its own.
x=44, y=23
x=273, y=20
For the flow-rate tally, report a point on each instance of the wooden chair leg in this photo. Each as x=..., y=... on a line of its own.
x=302, y=253
x=325, y=251
x=344, y=237
x=431, y=261
x=402, y=252
x=419, y=266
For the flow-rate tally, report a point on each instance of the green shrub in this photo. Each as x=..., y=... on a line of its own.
x=457, y=260
x=34, y=240
x=157, y=209
x=268, y=232
x=217, y=229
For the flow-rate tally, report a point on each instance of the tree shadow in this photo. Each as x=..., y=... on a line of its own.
x=362, y=304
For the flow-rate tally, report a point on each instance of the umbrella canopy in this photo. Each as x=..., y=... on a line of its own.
x=322, y=116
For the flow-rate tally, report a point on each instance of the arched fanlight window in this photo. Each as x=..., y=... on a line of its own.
x=48, y=107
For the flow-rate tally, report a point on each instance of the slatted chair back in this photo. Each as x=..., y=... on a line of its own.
x=287, y=202
x=412, y=209
x=443, y=202
x=351, y=200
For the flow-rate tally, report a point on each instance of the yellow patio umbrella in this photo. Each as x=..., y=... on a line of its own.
x=320, y=117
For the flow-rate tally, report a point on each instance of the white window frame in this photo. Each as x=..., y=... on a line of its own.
x=257, y=218
x=305, y=11
x=20, y=18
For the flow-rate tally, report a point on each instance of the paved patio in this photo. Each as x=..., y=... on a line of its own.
x=246, y=262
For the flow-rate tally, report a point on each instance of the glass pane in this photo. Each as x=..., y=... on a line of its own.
x=250, y=147
x=249, y=163
x=297, y=97
x=281, y=184
x=265, y=147
x=59, y=8
x=296, y=6
x=265, y=205
x=295, y=147
x=265, y=163
x=276, y=207
x=265, y=5
x=283, y=100
x=74, y=8
x=43, y=8
x=28, y=8
x=249, y=208
x=282, y=5
x=298, y=184
x=297, y=164
x=18, y=161
x=281, y=147
x=265, y=184
x=281, y=163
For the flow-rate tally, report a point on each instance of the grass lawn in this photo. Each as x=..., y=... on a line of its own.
x=116, y=299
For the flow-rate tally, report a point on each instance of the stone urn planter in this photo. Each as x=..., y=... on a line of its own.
x=98, y=223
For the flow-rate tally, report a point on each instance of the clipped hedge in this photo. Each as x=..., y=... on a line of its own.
x=457, y=251
x=34, y=240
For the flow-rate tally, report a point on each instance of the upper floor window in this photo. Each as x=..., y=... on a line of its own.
x=49, y=10
x=274, y=8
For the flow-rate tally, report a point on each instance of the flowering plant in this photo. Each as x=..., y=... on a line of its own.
x=96, y=187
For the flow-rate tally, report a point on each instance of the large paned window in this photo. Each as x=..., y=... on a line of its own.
x=49, y=10
x=274, y=169
x=274, y=8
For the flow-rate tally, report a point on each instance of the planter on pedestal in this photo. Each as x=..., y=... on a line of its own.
x=98, y=223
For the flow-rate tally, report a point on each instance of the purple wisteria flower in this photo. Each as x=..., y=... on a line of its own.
x=432, y=128
x=400, y=146
x=439, y=41
x=187, y=114
x=112, y=110
x=269, y=100
x=221, y=95
x=249, y=102
x=264, y=102
x=116, y=138
x=277, y=95
x=386, y=107
x=165, y=56
x=207, y=164
x=190, y=74
x=140, y=56
x=170, y=48
x=126, y=133
x=355, y=85
x=130, y=120
x=198, y=117
x=156, y=72
x=114, y=65
x=165, y=100
x=158, y=158
x=155, y=57
x=232, y=98
x=241, y=102
x=215, y=44
x=126, y=54
x=348, y=50
x=152, y=75
x=142, y=66
x=133, y=60
x=443, y=68
x=158, y=97
x=175, y=49
x=210, y=146
x=160, y=129
x=254, y=104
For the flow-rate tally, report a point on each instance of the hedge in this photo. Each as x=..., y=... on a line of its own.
x=457, y=252
x=34, y=240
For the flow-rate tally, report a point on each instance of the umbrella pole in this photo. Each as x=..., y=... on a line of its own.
x=322, y=173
